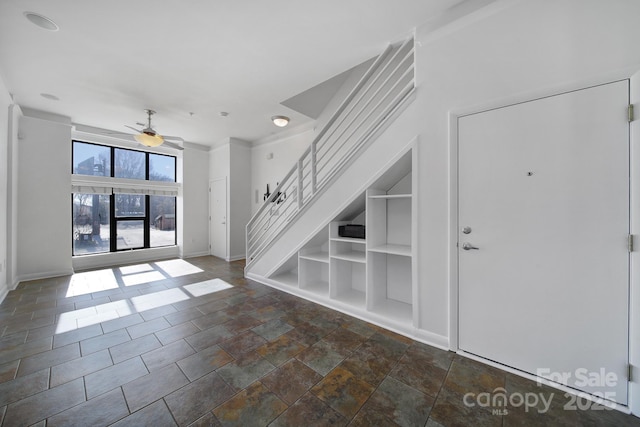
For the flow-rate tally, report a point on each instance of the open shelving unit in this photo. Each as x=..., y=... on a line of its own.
x=390, y=249
x=373, y=278
x=347, y=260
x=313, y=264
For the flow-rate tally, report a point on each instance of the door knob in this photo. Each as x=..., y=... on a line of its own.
x=468, y=246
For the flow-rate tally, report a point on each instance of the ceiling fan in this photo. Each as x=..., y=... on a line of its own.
x=149, y=137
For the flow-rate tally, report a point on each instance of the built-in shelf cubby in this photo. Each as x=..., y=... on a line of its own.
x=348, y=257
x=313, y=265
x=390, y=249
x=372, y=277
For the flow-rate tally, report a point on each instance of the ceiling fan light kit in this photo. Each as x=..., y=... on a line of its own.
x=148, y=137
x=149, y=140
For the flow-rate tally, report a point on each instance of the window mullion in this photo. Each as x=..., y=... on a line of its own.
x=112, y=223
x=147, y=222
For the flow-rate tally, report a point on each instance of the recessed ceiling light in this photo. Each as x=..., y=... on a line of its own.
x=49, y=96
x=224, y=113
x=41, y=21
x=280, y=121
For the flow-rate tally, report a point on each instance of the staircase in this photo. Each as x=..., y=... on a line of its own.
x=383, y=91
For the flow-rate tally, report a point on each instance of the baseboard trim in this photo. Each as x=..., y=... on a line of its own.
x=195, y=254
x=42, y=275
x=433, y=339
x=236, y=258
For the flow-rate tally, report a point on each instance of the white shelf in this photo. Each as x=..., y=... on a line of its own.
x=391, y=196
x=348, y=240
x=317, y=287
x=353, y=256
x=396, y=310
x=373, y=277
x=402, y=250
x=352, y=297
x=316, y=256
x=288, y=278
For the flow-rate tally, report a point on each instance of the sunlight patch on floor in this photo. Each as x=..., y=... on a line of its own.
x=207, y=287
x=133, y=269
x=178, y=267
x=99, y=313
x=91, y=281
x=140, y=278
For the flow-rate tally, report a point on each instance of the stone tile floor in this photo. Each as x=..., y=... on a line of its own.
x=137, y=345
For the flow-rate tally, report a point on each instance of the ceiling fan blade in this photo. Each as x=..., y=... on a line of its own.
x=122, y=135
x=173, y=138
x=115, y=133
x=132, y=128
x=171, y=144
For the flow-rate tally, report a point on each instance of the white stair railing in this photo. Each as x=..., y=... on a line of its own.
x=382, y=89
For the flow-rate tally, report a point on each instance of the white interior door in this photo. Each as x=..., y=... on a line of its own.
x=218, y=211
x=544, y=197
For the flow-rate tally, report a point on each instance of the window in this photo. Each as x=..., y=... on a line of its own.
x=163, y=221
x=162, y=168
x=129, y=164
x=91, y=230
x=91, y=159
x=113, y=213
x=129, y=234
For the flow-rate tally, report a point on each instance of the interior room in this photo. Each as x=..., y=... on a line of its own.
x=343, y=213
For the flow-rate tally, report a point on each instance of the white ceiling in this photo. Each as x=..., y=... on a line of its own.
x=110, y=60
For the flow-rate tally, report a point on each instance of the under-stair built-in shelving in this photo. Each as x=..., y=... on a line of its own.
x=389, y=252
x=287, y=274
x=373, y=278
x=348, y=258
x=354, y=173
x=313, y=264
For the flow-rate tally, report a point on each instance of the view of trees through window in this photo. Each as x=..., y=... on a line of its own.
x=91, y=231
x=121, y=221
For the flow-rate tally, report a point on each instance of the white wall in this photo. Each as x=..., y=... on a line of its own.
x=271, y=161
x=12, y=195
x=239, y=197
x=5, y=102
x=195, y=201
x=285, y=153
x=44, y=199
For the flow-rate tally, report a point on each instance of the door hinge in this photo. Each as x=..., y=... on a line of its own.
x=630, y=372
x=630, y=116
x=630, y=242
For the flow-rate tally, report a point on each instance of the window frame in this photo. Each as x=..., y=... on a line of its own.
x=73, y=154
x=146, y=186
